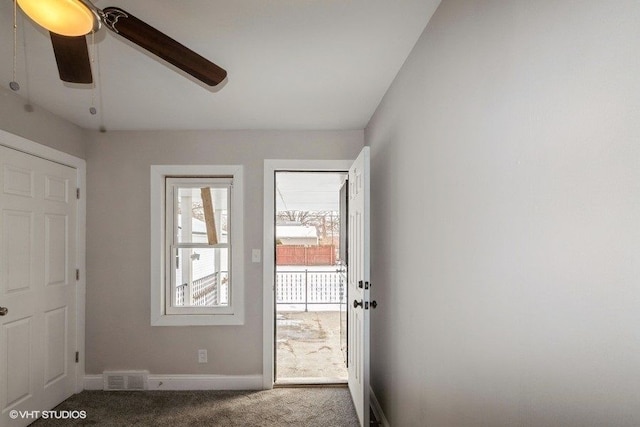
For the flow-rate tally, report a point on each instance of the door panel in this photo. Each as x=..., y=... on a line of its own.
x=17, y=350
x=56, y=189
x=55, y=238
x=56, y=341
x=18, y=233
x=358, y=285
x=37, y=284
x=18, y=181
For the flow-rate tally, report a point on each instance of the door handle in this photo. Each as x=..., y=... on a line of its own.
x=4, y=311
x=356, y=303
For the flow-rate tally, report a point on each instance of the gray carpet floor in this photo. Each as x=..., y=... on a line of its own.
x=305, y=407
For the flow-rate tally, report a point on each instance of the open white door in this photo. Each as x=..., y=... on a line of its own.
x=38, y=226
x=358, y=288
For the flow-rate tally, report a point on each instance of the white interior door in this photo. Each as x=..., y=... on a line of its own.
x=38, y=215
x=358, y=285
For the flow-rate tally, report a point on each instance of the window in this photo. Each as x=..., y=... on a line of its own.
x=197, y=268
x=198, y=231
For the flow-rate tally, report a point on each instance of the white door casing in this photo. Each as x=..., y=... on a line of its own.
x=271, y=166
x=358, y=285
x=38, y=258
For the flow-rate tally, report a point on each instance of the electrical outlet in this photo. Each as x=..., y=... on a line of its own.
x=202, y=356
x=255, y=255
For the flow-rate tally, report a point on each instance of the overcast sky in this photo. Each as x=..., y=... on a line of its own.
x=308, y=191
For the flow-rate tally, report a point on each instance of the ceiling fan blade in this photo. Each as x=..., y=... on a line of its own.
x=163, y=46
x=72, y=57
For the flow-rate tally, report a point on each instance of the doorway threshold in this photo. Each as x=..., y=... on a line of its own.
x=310, y=382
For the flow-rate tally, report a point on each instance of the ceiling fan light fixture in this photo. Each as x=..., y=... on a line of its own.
x=65, y=17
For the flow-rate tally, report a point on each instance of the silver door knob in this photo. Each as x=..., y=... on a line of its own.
x=4, y=311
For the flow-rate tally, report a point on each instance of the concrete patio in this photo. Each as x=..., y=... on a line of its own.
x=308, y=347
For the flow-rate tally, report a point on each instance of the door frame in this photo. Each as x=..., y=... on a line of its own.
x=271, y=166
x=26, y=146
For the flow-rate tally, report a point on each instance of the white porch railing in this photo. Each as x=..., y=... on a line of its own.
x=208, y=291
x=306, y=287
x=309, y=287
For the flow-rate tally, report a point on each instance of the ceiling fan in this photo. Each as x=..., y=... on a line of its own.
x=69, y=21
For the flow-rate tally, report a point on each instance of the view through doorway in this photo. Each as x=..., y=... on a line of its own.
x=310, y=279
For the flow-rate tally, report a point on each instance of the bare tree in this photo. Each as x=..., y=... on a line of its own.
x=327, y=223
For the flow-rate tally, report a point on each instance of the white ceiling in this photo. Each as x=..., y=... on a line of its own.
x=292, y=64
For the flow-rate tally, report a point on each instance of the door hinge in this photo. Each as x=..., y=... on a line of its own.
x=77, y=193
x=77, y=356
x=77, y=274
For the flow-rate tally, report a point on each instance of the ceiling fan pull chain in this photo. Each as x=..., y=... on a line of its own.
x=99, y=89
x=92, y=109
x=13, y=84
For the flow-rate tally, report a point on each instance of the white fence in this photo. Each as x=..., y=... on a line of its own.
x=309, y=287
x=292, y=287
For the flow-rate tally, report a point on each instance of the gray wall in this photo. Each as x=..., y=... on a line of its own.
x=40, y=125
x=119, y=335
x=506, y=218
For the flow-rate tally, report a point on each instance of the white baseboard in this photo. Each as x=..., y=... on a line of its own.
x=93, y=382
x=377, y=409
x=189, y=382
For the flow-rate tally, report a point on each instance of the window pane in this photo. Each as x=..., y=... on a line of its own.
x=202, y=277
x=193, y=215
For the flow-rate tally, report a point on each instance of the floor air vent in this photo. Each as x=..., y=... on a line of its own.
x=125, y=380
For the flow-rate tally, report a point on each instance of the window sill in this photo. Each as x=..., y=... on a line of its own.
x=197, y=320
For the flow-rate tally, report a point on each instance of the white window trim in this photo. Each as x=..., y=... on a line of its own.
x=159, y=317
